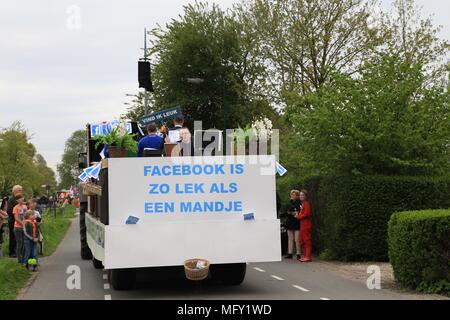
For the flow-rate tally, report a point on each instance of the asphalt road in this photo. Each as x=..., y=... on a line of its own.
x=287, y=280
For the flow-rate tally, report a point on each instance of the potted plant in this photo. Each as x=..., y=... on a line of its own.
x=119, y=142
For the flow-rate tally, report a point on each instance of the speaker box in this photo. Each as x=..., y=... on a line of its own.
x=145, y=76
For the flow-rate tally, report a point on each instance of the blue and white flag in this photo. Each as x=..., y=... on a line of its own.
x=95, y=171
x=89, y=169
x=91, y=172
x=129, y=128
x=105, y=128
x=280, y=169
x=84, y=176
x=102, y=153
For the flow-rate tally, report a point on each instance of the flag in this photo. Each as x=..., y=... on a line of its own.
x=102, y=153
x=280, y=169
x=132, y=220
x=249, y=216
x=84, y=176
x=95, y=171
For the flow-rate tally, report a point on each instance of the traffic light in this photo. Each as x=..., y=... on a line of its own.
x=145, y=76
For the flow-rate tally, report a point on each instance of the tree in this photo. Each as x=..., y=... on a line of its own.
x=19, y=163
x=386, y=122
x=415, y=39
x=68, y=170
x=304, y=41
x=137, y=109
x=208, y=43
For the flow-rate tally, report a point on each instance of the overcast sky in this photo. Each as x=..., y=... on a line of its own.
x=55, y=77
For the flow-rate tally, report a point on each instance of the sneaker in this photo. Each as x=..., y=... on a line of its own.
x=288, y=256
x=305, y=260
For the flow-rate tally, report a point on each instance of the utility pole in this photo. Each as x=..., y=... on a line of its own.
x=145, y=59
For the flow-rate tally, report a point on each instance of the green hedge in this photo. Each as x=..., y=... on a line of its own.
x=419, y=249
x=351, y=214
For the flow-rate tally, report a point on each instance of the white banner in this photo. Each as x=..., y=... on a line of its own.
x=191, y=188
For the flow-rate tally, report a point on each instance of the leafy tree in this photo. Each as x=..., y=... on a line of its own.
x=208, y=43
x=137, y=108
x=19, y=163
x=68, y=168
x=386, y=122
x=304, y=41
x=415, y=39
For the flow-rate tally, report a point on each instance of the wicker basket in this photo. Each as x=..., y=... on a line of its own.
x=196, y=274
x=90, y=189
x=88, y=192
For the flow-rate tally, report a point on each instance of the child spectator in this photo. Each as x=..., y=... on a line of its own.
x=31, y=238
x=19, y=214
x=32, y=205
x=64, y=204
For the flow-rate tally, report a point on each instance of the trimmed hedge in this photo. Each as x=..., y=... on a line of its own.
x=419, y=249
x=351, y=214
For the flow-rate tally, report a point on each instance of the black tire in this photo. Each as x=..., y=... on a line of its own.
x=229, y=274
x=122, y=279
x=97, y=263
x=86, y=253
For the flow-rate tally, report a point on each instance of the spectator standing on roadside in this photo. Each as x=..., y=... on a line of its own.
x=292, y=224
x=19, y=214
x=305, y=217
x=31, y=238
x=32, y=205
x=16, y=190
x=64, y=204
x=3, y=221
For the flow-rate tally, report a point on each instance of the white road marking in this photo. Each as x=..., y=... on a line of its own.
x=106, y=286
x=107, y=297
x=259, y=269
x=277, y=277
x=105, y=277
x=324, y=299
x=300, y=288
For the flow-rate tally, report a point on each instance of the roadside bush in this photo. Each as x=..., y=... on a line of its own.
x=419, y=249
x=351, y=214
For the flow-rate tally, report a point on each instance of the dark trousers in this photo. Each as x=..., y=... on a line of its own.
x=19, y=244
x=1, y=241
x=12, y=236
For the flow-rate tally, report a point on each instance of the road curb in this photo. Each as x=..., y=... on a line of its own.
x=27, y=286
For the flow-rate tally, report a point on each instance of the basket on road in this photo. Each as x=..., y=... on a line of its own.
x=194, y=273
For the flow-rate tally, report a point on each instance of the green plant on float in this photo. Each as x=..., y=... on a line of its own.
x=115, y=138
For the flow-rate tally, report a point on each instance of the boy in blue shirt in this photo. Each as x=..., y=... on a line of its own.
x=151, y=141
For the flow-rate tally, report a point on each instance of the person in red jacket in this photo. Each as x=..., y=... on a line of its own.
x=305, y=217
